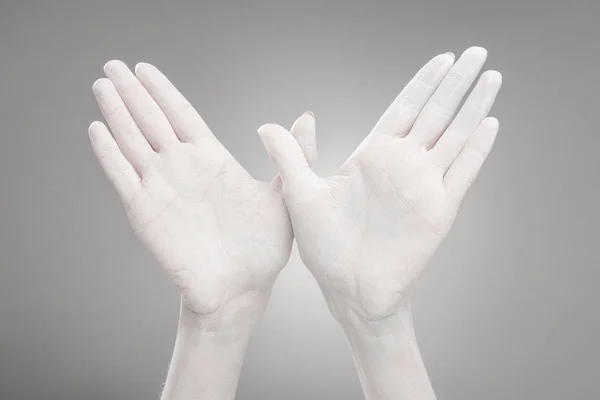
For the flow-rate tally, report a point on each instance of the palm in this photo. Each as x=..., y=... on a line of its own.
x=382, y=212
x=404, y=183
x=220, y=234
x=197, y=216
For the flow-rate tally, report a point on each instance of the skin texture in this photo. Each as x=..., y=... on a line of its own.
x=221, y=235
x=367, y=231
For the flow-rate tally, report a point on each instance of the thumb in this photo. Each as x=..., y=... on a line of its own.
x=303, y=131
x=286, y=153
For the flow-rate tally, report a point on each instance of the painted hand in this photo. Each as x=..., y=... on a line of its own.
x=368, y=231
x=221, y=235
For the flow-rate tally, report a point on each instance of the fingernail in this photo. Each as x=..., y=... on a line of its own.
x=312, y=114
x=138, y=66
x=262, y=129
x=451, y=54
x=112, y=67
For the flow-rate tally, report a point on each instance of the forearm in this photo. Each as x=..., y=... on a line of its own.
x=387, y=358
x=206, y=362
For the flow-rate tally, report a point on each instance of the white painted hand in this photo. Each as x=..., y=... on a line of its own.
x=367, y=232
x=221, y=235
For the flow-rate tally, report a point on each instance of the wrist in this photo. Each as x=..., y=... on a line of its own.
x=387, y=356
x=237, y=315
x=355, y=319
x=208, y=354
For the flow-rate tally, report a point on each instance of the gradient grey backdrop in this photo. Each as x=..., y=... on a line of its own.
x=507, y=309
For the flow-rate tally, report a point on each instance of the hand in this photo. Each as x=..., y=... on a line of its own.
x=367, y=232
x=221, y=235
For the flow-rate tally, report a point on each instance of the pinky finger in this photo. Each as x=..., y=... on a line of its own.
x=120, y=172
x=466, y=167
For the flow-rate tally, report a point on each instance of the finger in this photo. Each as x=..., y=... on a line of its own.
x=303, y=130
x=186, y=121
x=142, y=107
x=127, y=134
x=402, y=113
x=120, y=172
x=474, y=110
x=464, y=170
x=286, y=153
x=442, y=105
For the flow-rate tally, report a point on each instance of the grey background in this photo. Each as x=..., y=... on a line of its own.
x=508, y=308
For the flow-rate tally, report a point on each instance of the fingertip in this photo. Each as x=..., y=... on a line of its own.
x=93, y=126
x=268, y=128
x=141, y=67
x=474, y=54
x=100, y=84
x=442, y=59
x=263, y=129
x=303, y=130
x=476, y=50
x=451, y=54
x=305, y=122
x=493, y=77
x=447, y=59
x=112, y=66
x=96, y=85
x=492, y=123
x=109, y=65
x=95, y=131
